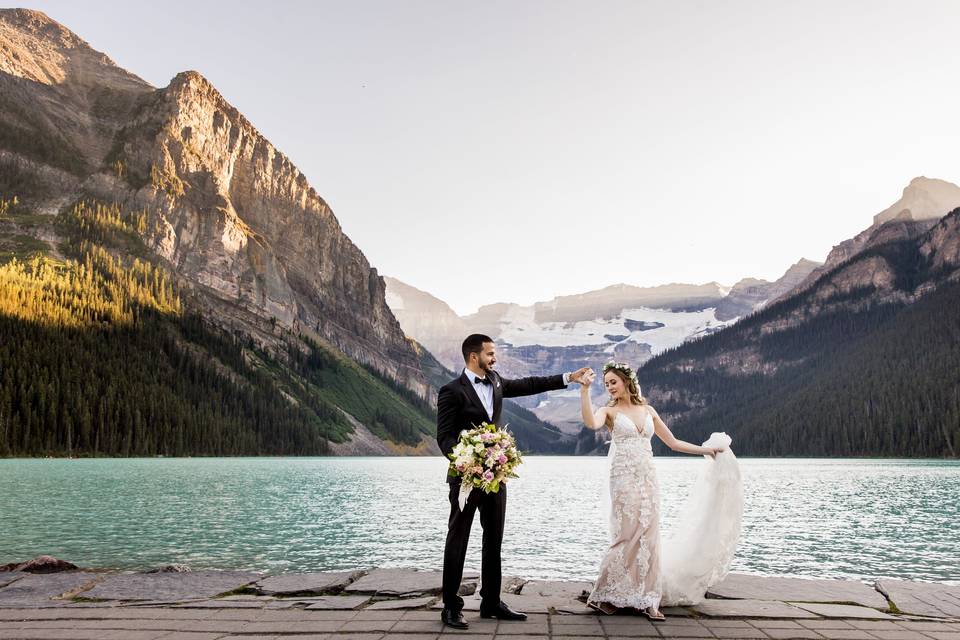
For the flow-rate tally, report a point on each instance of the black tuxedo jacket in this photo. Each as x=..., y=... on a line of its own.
x=459, y=407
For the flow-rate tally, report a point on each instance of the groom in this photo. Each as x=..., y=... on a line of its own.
x=475, y=397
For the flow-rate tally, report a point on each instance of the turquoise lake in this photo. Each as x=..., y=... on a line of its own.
x=861, y=519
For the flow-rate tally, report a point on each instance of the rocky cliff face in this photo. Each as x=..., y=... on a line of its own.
x=941, y=248
x=751, y=294
x=429, y=320
x=225, y=210
x=924, y=201
x=61, y=102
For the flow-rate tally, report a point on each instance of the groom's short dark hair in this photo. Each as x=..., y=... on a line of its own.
x=473, y=344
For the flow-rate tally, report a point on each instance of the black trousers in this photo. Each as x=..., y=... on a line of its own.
x=493, y=510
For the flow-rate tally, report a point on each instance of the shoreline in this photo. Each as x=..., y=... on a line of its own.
x=845, y=458
x=48, y=582
x=403, y=604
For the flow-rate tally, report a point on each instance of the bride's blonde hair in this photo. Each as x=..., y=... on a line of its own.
x=623, y=371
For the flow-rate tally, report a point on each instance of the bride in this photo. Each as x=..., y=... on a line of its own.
x=637, y=571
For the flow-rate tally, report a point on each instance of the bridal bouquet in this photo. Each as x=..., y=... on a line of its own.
x=484, y=457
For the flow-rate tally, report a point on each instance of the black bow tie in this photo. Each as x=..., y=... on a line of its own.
x=481, y=381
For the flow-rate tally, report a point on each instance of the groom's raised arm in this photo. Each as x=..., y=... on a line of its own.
x=447, y=433
x=532, y=385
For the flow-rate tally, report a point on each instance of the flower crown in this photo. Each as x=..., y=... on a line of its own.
x=624, y=368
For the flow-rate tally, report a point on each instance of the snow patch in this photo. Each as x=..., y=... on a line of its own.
x=520, y=329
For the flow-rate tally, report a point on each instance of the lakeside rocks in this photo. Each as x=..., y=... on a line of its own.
x=40, y=564
x=169, y=586
x=387, y=590
x=44, y=587
x=307, y=583
x=171, y=568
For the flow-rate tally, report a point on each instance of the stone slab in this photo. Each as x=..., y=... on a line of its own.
x=221, y=603
x=400, y=582
x=402, y=603
x=469, y=604
x=285, y=603
x=337, y=602
x=747, y=587
x=539, y=596
x=10, y=576
x=304, y=603
x=843, y=611
x=35, y=588
x=553, y=589
x=155, y=603
x=751, y=609
x=922, y=598
x=573, y=607
x=170, y=586
x=530, y=604
x=305, y=583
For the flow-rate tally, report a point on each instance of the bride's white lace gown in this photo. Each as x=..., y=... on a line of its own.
x=638, y=570
x=630, y=570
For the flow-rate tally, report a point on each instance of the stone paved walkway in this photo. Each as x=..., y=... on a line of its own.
x=398, y=604
x=169, y=623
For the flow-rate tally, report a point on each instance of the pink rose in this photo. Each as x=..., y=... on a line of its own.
x=502, y=459
x=488, y=476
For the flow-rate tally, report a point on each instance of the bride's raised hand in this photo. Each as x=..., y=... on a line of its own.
x=588, y=377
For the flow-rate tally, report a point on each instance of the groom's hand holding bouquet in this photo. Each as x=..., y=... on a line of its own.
x=484, y=458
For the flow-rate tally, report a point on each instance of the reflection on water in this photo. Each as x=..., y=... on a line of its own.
x=819, y=518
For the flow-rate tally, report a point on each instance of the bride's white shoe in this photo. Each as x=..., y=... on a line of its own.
x=654, y=614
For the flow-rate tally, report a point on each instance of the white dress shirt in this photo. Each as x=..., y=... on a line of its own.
x=485, y=391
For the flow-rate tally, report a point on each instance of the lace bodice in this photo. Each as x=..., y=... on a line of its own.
x=625, y=429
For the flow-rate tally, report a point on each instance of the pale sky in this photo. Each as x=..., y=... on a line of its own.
x=513, y=151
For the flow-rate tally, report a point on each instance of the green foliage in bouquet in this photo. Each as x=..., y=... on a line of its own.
x=485, y=457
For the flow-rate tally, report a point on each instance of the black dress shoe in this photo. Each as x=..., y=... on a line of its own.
x=453, y=619
x=501, y=611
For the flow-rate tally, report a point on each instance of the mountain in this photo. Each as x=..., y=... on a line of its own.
x=923, y=199
x=923, y=202
x=750, y=294
x=184, y=235
x=863, y=361
x=429, y=320
x=621, y=321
